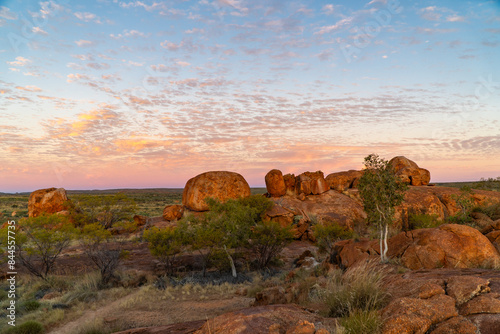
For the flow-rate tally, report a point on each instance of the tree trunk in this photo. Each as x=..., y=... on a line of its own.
x=233, y=268
x=381, y=244
x=386, y=247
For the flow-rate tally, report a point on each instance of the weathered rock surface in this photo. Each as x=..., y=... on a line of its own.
x=328, y=206
x=350, y=252
x=289, y=180
x=50, y=200
x=464, y=288
x=219, y=185
x=275, y=183
x=455, y=325
x=409, y=171
x=264, y=319
x=311, y=183
x=481, y=305
x=486, y=323
x=414, y=315
x=173, y=212
x=342, y=181
x=448, y=246
x=180, y=328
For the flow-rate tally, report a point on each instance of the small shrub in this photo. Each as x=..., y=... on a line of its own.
x=362, y=322
x=423, y=220
x=267, y=240
x=28, y=327
x=165, y=245
x=491, y=210
x=31, y=305
x=465, y=204
x=328, y=234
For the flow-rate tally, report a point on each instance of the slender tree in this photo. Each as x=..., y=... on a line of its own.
x=381, y=191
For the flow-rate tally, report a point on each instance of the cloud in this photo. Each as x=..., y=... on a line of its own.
x=84, y=43
x=130, y=33
x=431, y=31
x=7, y=14
x=337, y=26
x=328, y=9
x=86, y=16
x=76, y=77
x=20, y=61
x=40, y=31
x=98, y=66
x=29, y=88
x=171, y=46
x=183, y=63
x=455, y=18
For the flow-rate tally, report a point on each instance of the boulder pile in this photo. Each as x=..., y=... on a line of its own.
x=47, y=201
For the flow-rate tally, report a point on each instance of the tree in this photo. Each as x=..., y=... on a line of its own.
x=41, y=240
x=224, y=228
x=381, y=191
x=104, y=252
x=268, y=240
x=105, y=210
x=165, y=245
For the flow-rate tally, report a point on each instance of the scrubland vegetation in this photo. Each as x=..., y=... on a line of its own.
x=231, y=240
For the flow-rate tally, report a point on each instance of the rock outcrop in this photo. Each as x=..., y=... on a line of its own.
x=275, y=183
x=49, y=201
x=409, y=171
x=342, y=181
x=173, y=212
x=449, y=246
x=220, y=185
x=311, y=183
x=267, y=319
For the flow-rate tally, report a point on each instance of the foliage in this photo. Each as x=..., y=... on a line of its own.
x=328, y=234
x=465, y=205
x=105, y=210
x=491, y=210
x=381, y=191
x=225, y=227
x=488, y=184
x=423, y=220
x=267, y=240
x=31, y=305
x=40, y=241
x=165, y=245
x=362, y=322
x=28, y=327
x=101, y=249
x=359, y=289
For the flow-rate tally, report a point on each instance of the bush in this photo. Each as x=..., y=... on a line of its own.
x=359, y=289
x=492, y=210
x=40, y=241
x=165, y=245
x=423, y=220
x=465, y=204
x=361, y=322
x=328, y=234
x=267, y=240
x=100, y=249
x=28, y=327
x=31, y=305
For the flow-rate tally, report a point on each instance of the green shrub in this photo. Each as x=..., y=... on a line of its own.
x=362, y=322
x=491, y=210
x=31, y=305
x=267, y=240
x=165, y=245
x=28, y=327
x=328, y=234
x=423, y=220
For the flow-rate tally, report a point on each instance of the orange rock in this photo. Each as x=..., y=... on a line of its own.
x=481, y=304
x=413, y=315
x=48, y=201
x=409, y=171
x=401, y=162
x=449, y=246
x=275, y=183
x=456, y=325
x=302, y=327
x=311, y=183
x=219, y=185
x=173, y=212
x=140, y=220
x=289, y=180
x=464, y=288
x=342, y=181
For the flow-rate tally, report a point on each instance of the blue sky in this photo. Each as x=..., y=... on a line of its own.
x=105, y=94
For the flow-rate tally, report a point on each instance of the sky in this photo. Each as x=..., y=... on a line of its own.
x=147, y=94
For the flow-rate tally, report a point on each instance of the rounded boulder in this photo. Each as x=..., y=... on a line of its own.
x=220, y=185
